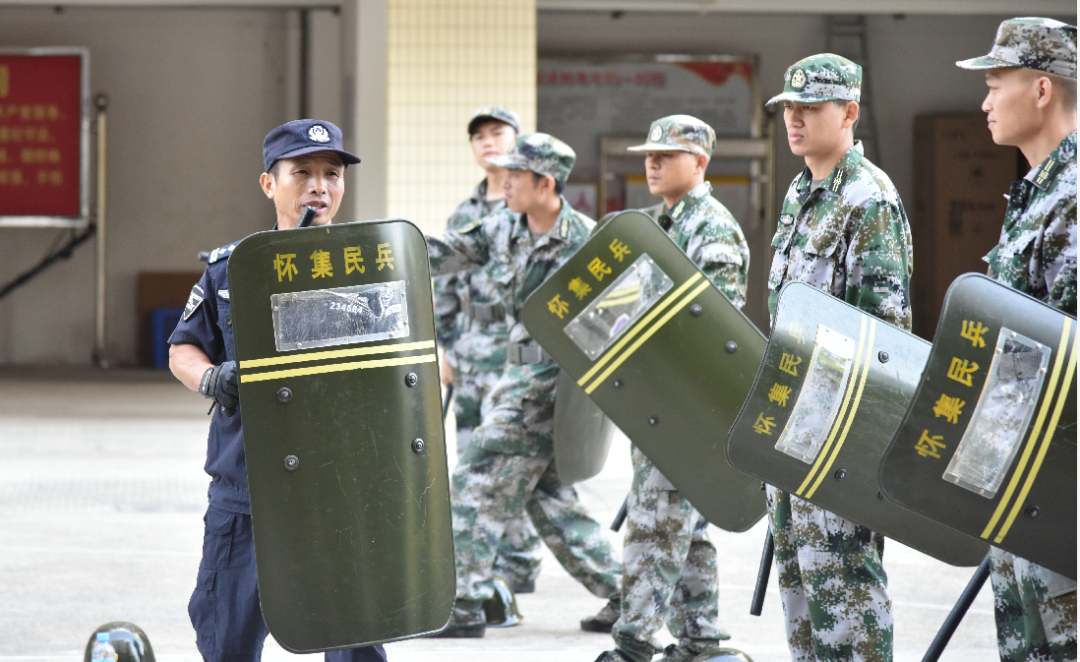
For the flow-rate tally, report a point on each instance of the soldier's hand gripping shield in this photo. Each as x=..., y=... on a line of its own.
x=663, y=353
x=833, y=387
x=339, y=392
x=988, y=446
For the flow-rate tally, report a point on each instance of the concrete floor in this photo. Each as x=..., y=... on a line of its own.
x=101, y=500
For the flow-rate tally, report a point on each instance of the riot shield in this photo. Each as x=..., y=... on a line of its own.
x=582, y=433
x=663, y=353
x=339, y=392
x=832, y=388
x=988, y=446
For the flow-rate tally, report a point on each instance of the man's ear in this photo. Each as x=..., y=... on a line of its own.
x=851, y=114
x=1044, y=92
x=267, y=182
x=702, y=163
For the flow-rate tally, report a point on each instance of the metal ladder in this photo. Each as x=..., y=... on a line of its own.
x=847, y=37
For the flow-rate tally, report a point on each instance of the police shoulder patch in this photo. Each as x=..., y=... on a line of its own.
x=195, y=299
x=221, y=253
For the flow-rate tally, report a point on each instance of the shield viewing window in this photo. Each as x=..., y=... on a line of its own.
x=626, y=299
x=1006, y=404
x=815, y=410
x=340, y=316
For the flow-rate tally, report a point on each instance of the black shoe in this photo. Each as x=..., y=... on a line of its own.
x=605, y=619
x=524, y=586
x=465, y=623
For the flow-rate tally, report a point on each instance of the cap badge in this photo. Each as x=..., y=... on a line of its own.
x=798, y=79
x=655, y=134
x=318, y=134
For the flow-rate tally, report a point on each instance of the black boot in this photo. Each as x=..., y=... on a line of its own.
x=605, y=619
x=466, y=621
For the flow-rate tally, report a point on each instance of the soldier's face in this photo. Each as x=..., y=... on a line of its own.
x=315, y=179
x=1010, y=105
x=672, y=172
x=491, y=139
x=815, y=129
x=523, y=193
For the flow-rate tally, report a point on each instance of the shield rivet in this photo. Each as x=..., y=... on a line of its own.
x=292, y=462
x=1031, y=512
x=617, y=383
x=883, y=356
x=411, y=379
x=880, y=496
x=840, y=474
x=284, y=395
x=418, y=445
x=695, y=309
x=731, y=347
x=654, y=421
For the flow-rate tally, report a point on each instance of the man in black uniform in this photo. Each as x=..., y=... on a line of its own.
x=305, y=166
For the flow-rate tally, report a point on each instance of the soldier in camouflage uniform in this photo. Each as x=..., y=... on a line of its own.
x=1031, y=73
x=470, y=324
x=509, y=465
x=843, y=230
x=669, y=563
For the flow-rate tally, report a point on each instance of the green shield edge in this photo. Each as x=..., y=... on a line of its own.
x=841, y=475
x=1042, y=472
x=582, y=433
x=666, y=381
x=353, y=546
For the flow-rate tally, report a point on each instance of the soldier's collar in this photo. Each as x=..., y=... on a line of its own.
x=1045, y=173
x=839, y=176
x=558, y=232
x=479, y=193
x=689, y=201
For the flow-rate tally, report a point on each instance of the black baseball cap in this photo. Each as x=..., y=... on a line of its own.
x=300, y=137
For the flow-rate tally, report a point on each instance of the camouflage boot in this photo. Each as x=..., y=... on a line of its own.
x=605, y=619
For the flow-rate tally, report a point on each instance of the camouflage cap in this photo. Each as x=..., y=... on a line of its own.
x=1033, y=43
x=541, y=153
x=494, y=113
x=821, y=77
x=678, y=133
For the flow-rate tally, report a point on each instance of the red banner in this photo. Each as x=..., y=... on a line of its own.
x=40, y=131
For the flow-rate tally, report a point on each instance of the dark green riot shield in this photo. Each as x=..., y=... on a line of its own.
x=988, y=446
x=582, y=432
x=339, y=393
x=663, y=353
x=832, y=388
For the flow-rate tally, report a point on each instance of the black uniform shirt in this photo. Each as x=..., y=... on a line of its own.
x=207, y=324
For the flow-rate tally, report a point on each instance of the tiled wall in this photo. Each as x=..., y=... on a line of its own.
x=445, y=59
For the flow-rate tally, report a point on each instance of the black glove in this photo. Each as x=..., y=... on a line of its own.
x=219, y=383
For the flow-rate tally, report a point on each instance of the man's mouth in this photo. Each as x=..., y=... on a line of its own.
x=319, y=206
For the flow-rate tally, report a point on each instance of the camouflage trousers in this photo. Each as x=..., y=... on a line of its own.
x=488, y=489
x=469, y=391
x=832, y=584
x=669, y=566
x=1035, y=610
x=517, y=558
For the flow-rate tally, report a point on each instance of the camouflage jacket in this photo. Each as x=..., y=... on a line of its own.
x=504, y=250
x=850, y=237
x=471, y=345
x=1037, y=250
x=711, y=237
